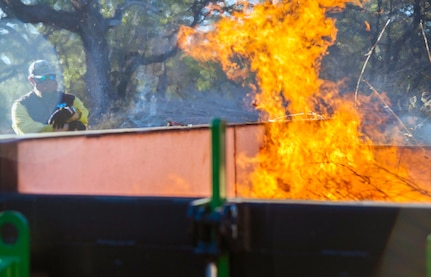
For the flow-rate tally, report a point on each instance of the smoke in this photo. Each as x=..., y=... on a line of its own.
x=193, y=108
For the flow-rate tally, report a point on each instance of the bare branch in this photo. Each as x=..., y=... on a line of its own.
x=121, y=9
x=393, y=113
x=366, y=61
x=425, y=40
x=40, y=14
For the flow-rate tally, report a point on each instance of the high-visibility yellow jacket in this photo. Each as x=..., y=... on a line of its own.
x=31, y=112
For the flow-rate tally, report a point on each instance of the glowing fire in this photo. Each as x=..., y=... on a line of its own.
x=314, y=147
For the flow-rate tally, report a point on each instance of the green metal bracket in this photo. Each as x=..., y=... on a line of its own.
x=14, y=256
x=218, y=198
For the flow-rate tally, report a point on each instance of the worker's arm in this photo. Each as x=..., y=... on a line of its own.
x=81, y=110
x=23, y=123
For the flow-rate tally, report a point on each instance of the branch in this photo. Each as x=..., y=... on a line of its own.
x=368, y=58
x=40, y=14
x=121, y=9
x=10, y=73
x=14, y=34
x=393, y=114
x=426, y=41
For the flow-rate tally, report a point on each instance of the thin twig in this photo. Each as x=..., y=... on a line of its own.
x=406, y=181
x=368, y=58
x=422, y=122
x=392, y=111
x=426, y=41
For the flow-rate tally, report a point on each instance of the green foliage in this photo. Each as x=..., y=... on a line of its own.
x=398, y=64
x=205, y=75
x=71, y=60
x=107, y=7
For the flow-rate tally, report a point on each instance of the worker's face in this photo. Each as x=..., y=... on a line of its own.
x=45, y=84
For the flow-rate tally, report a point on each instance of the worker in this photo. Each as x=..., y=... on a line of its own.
x=45, y=109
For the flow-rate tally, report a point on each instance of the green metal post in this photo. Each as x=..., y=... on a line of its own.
x=15, y=256
x=218, y=164
x=219, y=181
x=428, y=256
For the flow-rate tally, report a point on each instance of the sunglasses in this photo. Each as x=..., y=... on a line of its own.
x=43, y=78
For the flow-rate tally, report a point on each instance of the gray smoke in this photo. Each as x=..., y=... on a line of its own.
x=195, y=108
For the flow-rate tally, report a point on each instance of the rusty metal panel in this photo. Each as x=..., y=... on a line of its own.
x=8, y=167
x=156, y=162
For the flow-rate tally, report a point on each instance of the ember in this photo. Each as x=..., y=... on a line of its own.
x=315, y=145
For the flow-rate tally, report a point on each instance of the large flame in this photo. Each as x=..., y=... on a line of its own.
x=314, y=147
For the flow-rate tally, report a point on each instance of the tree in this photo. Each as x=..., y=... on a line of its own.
x=92, y=20
x=86, y=20
x=118, y=38
x=398, y=64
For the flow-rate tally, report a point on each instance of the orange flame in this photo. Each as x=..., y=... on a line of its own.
x=367, y=26
x=314, y=147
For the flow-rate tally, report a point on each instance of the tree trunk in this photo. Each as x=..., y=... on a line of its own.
x=88, y=22
x=92, y=30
